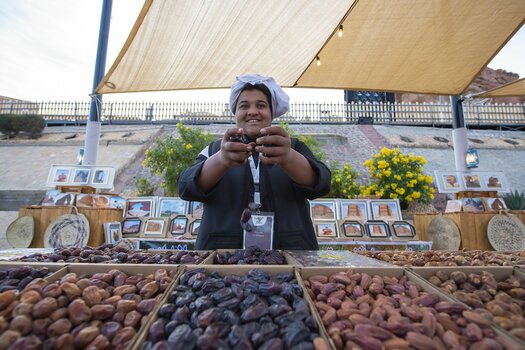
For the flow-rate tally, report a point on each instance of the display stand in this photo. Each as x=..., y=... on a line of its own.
x=77, y=189
x=476, y=194
x=472, y=226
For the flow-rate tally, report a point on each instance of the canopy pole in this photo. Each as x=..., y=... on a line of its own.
x=93, y=123
x=459, y=133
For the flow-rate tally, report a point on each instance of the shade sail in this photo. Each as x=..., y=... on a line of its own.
x=432, y=46
x=514, y=88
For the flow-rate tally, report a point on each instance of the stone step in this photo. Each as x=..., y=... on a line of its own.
x=12, y=200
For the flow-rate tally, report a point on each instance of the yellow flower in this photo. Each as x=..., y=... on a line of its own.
x=416, y=194
x=428, y=179
x=344, y=191
x=367, y=163
x=382, y=164
x=394, y=186
x=385, y=152
x=400, y=190
x=159, y=173
x=144, y=162
x=393, y=195
x=189, y=146
x=409, y=175
x=397, y=177
x=147, y=152
x=179, y=125
x=337, y=179
x=387, y=173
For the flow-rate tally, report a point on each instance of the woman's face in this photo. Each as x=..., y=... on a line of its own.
x=253, y=112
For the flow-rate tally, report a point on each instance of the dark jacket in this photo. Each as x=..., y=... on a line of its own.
x=224, y=203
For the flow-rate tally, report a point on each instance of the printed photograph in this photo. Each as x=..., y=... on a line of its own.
x=322, y=210
x=81, y=176
x=196, y=209
x=61, y=175
x=139, y=207
x=453, y=206
x=117, y=202
x=113, y=232
x=84, y=200
x=195, y=227
x=56, y=197
x=131, y=226
x=385, y=210
x=494, y=204
x=352, y=229
x=100, y=176
x=377, y=229
x=403, y=229
x=154, y=227
x=354, y=210
x=178, y=226
x=451, y=181
x=326, y=229
x=473, y=205
x=171, y=206
x=471, y=181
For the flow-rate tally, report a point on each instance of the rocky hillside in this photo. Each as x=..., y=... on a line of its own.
x=488, y=79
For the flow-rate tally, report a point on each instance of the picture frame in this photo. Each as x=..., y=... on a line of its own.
x=196, y=209
x=323, y=210
x=385, y=209
x=113, y=232
x=353, y=210
x=352, y=229
x=178, y=226
x=474, y=205
x=140, y=207
x=453, y=206
x=471, y=181
x=194, y=227
x=326, y=229
x=101, y=201
x=81, y=176
x=154, y=228
x=131, y=227
x=169, y=206
x=58, y=198
x=403, y=229
x=60, y=175
x=494, y=181
x=377, y=229
x=117, y=202
x=100, y=176
x=448, y=181
x=494, y=204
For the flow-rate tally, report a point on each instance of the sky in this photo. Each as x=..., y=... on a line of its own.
x=48, y=50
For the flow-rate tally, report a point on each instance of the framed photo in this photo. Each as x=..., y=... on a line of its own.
x=81, y=176
x=403, y=229
x=471, y=181
x=172, y=206
x=494, y=204
x=194, y=227
x=352, y=229
x=113, y=232
x=326, y=229
x=140, y=207
x=385, y=209
x=448, y=181
x=353, y=209
x=196, y=209
x=60, y=175
x=324, y=210
x=494, y=181
x=100, y=201
x=56, y=197
x=473, y=205
x=131, y=227
x=377, y=229
x=117, y=202
x=154, y=227
x=100, y=176
x=178, y=226
x=453, y=206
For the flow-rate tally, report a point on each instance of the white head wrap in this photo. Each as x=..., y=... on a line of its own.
x=280, y=100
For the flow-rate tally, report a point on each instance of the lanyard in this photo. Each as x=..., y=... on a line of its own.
x=255, y=176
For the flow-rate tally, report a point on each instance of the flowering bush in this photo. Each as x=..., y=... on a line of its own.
x=170, y=156
x=343, y=182
x=394, y=175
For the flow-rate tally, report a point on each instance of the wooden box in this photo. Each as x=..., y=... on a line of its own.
x=472, y=227
x=44, y=215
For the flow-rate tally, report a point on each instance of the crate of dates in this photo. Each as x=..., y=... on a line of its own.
x=17, y=275
x=394, y=308
x=84, y=306
x=250, y=256
x=331, y=258
x=235, y=307
x=119, y=254
x=495, y=293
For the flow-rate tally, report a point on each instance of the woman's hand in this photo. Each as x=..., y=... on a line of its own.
x=234, y=152
x=274, y=146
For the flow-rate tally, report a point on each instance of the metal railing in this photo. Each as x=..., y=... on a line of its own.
x=433, y=114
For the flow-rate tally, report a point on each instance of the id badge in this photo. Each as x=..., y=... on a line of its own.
x=262, y=233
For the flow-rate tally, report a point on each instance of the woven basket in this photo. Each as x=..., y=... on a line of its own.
x=444, y=234
x=506, y=232
x=20, y=232
x=68, y=230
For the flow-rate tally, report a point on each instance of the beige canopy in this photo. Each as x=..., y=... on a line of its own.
x=514, y=88
x=431, y=46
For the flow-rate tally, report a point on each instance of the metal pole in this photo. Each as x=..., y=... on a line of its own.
x=93, y=123
x=459, y=133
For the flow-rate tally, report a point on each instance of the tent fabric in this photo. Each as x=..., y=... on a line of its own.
x=514, y=88
x=433, y=46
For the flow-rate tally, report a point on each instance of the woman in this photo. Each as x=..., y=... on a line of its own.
x=255, y=162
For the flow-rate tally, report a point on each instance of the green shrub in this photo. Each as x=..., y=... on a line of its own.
x=28, y=124
x=515, y=200
x=343, y=182
x=144, y=187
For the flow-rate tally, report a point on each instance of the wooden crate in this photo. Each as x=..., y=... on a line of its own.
x=44, y=215
x=472, y=227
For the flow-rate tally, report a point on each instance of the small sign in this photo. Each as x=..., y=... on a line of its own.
x=261, y=234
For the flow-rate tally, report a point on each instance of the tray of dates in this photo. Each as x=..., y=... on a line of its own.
x=495, y=293
x=119, y=254
x=83, y=307
x=445, y=258
x=331, y=258
x=394, y=308
x=250, y=256
x=234, y=307
x=17, y=275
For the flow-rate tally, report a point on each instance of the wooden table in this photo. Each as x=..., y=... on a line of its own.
x=44, y=215
x=472, y=226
